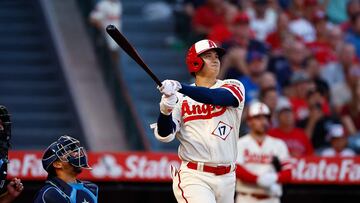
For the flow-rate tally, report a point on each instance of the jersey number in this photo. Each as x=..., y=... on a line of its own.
x=222, y=130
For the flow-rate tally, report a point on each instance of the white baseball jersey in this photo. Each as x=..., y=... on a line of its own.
x=257, y=157
x=208, y=133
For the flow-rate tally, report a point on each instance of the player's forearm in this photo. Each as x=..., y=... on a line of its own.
x=217, y=96
x=165, y=125
x=284, y=176
x=245, y=175
x=6, y=198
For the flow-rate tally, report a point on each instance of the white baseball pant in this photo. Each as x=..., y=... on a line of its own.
x=192, y=186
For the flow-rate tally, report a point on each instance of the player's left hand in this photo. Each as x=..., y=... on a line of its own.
x=275, y=190
x=169, y=87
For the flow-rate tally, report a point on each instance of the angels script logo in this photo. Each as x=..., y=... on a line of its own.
x=200, y=111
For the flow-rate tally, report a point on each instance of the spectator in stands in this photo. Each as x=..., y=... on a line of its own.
x=319, y=118
x=338, y=141
x=243, y=36
x=302, y=29
x=108, y=12
x=310, y=7
x=300, y=24
x=268, y=80
x=336, y=37
x=256, y=67
x=271, y=97
x=234, y=63
x=292, y=61
x=262, y=18
x=312, y=68
x=207, y=16
x=336, y=10
x=276, y=38
x=295, y=138
x=237, y=47
x=301, y=83
x=335, y=74
x=353, y=35
x=350, y=115
x=295, y=9
x=352, y=7
x=321, y=48
x=223, y=31
x=184, y=11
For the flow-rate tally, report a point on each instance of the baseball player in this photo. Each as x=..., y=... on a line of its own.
x=205, y=117
x=13, y=189
x=262, y=161
x=64, y=160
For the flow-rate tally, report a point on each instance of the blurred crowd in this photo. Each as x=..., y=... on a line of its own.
x=300, y=57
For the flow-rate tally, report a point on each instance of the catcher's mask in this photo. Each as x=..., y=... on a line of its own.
x=65, y=149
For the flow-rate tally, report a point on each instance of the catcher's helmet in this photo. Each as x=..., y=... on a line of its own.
x=65, y=149
x=193, y=61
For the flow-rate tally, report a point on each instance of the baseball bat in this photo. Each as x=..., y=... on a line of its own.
x=120, y=39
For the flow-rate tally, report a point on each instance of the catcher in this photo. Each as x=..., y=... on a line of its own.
x=14, y=187
x=64, y=160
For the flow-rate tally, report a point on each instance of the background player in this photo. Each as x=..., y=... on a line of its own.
x=64, y=161
x=262, y=162
x=14, y=187
x=205, y=118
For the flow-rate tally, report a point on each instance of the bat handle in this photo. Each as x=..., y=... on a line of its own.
x=157, y=81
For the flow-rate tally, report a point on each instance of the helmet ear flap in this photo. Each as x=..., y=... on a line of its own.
x=193, y=61
x=196, y=64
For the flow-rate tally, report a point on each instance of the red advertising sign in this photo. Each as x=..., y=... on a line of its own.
x=154, y=167
x=320, y=170
x=131, y=166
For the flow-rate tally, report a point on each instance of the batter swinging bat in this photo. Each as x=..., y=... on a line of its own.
x=130, y=50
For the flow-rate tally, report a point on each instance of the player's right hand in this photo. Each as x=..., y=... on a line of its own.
x=169, y=87
x=267, y=179
x=167, y=104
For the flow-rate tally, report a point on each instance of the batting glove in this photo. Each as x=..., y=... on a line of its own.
x=167, y=104
x=267, y=179
x=169, y=87
x=275, y=190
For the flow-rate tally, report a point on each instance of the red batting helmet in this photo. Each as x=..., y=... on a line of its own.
x=193, y=61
